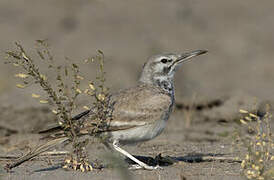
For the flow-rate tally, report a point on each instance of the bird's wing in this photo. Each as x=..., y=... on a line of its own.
x=139, y=106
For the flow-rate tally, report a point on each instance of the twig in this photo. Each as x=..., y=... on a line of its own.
x=55, y=153
x=36, y=152
x=50, y=153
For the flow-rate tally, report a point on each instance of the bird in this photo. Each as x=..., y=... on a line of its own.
x=141, y=113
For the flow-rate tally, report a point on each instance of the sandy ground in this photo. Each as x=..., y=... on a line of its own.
x=236, y=73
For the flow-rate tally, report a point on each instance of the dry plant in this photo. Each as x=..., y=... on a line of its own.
x=254, y=134
x=62, y=95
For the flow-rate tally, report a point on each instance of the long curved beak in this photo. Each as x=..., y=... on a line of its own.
x=185, y=57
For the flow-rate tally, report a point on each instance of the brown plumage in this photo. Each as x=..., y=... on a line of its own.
x=140, y=105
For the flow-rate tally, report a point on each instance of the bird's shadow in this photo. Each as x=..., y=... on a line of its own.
x=162, y=160
x=51, y=168
x=170, y=160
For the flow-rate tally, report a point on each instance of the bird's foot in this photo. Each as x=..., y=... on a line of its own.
x=82, y=165
x=146, y=167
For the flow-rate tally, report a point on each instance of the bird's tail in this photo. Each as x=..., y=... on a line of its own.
x=56, y=132
x=40, y=149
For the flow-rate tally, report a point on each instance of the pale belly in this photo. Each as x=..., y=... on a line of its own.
x=139, y=134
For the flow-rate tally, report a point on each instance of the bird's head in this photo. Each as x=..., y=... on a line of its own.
x=162, y=67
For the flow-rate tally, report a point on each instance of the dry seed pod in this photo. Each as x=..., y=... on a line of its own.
x=21, y=75
x=82, y=168
x=67, y=161
x=35, y=95
x=91, y=86
x=43, y=101
x=253, y=115
x=242, y=121
x=79, y=91
x=243, y=111
x=85, y=107
x=90, y=167
x=20, y=86
x=101, y=97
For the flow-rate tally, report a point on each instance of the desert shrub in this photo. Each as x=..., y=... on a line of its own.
x=62, y=94
x=254, y=136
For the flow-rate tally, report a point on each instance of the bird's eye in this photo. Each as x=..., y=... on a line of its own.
x=164, y=61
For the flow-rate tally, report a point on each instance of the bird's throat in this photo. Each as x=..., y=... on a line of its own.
x=164, y=83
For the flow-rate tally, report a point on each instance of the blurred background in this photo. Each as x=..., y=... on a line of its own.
x=237, y=34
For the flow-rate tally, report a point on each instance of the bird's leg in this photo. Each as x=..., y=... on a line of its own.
x=141, y=165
